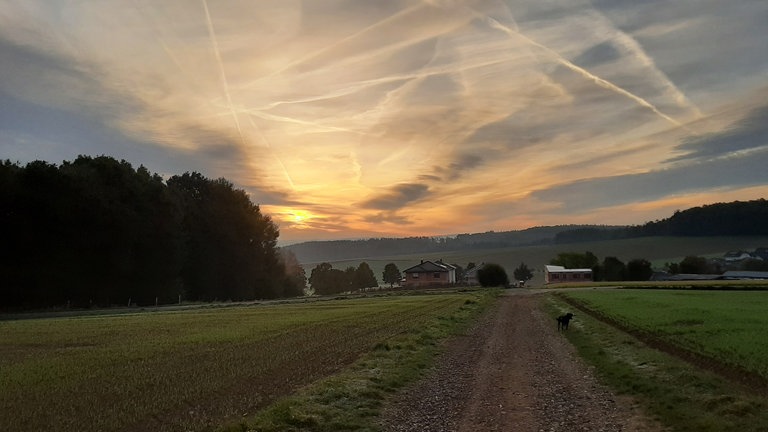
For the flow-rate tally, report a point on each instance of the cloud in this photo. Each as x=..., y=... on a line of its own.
x=457, y=167
x=397, y=197
x=387, y=218
x=604, y=52
x=730, y=159
x=751, y=133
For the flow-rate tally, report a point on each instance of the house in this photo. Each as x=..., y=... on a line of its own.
x=560, y=274
x=429, y=273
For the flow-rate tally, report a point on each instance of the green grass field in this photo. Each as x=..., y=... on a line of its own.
x=683, y=396
x=729, y=326
x=190, y=370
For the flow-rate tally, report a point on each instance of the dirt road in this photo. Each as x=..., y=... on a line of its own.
x=513, y=371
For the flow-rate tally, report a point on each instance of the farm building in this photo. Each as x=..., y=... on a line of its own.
x=560, y=274
x=429, y=273
x=470, y=276
x=744, y=275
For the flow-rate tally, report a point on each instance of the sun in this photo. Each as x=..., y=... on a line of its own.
x=300, y=216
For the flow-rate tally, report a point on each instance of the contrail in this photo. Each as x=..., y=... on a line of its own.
x=630, y=44
x=269, y=146
x=286, y=119
x=581, y=71
x=222, y=74
x=340, y=42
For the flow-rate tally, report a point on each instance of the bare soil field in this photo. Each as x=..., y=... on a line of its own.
x=513, y=371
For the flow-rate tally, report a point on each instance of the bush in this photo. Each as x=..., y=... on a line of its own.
x=492, y=275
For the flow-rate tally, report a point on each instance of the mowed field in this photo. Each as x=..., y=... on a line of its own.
x=728, y=326
x=188, y=370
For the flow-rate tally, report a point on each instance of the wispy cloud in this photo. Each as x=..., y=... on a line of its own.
x=345, y=118
x=747, y=136
x=730, y=159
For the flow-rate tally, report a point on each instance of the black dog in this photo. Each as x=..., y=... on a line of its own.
x=563, y=321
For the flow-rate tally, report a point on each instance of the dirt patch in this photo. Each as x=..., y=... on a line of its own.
x=512, y=371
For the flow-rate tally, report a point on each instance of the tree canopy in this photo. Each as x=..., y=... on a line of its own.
x=325, y=279
x=492, y=275
x=523, y=273
x=391, y=274
x=96, y=231
x=573, y=260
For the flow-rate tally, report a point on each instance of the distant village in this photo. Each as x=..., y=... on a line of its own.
x=733, y=265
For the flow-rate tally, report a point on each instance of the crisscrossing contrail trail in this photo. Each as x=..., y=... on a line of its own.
x=581, y=71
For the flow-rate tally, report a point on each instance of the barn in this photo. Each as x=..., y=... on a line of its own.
x=560, y=274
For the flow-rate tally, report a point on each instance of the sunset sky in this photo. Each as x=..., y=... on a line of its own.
x=368, y=118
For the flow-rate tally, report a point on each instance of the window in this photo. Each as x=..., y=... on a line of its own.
x=415, y=275
x=436, y=275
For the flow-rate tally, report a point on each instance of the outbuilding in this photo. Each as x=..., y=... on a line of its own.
x=560, y=274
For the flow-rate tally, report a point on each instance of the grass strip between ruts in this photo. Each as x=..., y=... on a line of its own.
x=352, y=400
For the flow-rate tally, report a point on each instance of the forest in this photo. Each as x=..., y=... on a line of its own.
x=98, y=232
x=720, y=219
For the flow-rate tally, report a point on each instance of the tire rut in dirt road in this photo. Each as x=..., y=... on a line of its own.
x=512, y=372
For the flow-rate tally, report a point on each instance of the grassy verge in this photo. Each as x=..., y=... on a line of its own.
x=352, y=400
x=741, y=285
x=682, y=396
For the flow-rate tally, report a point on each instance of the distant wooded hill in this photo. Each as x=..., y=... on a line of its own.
x=721, y=219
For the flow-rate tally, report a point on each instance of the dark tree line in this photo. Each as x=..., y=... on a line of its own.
x=96, y=231
x=325, y=279
x=693, y=264
x=611, y=268
x=720, y=219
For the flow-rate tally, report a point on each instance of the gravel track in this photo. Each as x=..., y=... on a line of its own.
x=512, y=371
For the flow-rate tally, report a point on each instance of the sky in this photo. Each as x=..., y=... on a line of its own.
x=352, y=119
